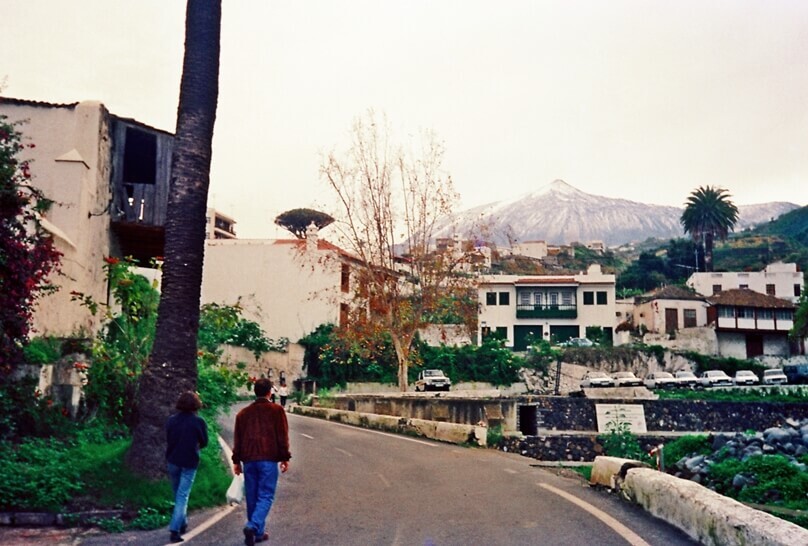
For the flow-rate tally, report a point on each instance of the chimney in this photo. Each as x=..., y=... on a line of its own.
x=311, y=237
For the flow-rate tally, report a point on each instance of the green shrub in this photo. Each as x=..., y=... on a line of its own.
x=493, y=436
x=619, y=441
x=774, y=480
x=42, y=350
x=690, y=444
x=37, y=475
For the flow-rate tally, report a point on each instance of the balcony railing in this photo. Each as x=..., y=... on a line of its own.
x=546, y=311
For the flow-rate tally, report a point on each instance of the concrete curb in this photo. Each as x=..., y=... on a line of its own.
x=703, y=514
x=435, y=430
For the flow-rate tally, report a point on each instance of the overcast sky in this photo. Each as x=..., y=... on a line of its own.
x=643, y=100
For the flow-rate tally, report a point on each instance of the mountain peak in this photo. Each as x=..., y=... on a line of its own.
x=560, y=213
x=557, y=186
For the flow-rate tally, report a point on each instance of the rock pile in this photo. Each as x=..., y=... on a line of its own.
x=790, y=441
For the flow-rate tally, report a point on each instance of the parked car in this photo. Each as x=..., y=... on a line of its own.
x=626, y=379
x=660, y=380
x=686, y=379
x=432, y=380
x=715, y=378
x=775, y=376
x=745, y=377
x=796, y=373
x=596, y=379
x=578, y=342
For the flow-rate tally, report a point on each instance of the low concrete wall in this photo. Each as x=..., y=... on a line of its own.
x=445, y=432
x=705, y=515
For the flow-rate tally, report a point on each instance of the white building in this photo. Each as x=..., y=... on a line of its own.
x=288, y=286
x=669, y=309
x=530, y=249
x=219, y=225
x=749, y=324
x=781, y=280
x=551, y=307
x=70, y=163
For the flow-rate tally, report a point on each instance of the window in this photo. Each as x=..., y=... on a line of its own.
x=784, y=314
x=537, y=298
x=501, y=331
x=345, y=278
x=553, y=298
x=689, y=317
x=743, y=286
x=765, y=314
x=602, y=298
x=343, y=315
x=490, y=298
x=770, y=289
x=797, y=290
x=504, y=298
x=726, y=312
x=716, y=288
x=139, y=157
x=524, y=298
x=589, y=298
x=566, y=297
x=746, y=312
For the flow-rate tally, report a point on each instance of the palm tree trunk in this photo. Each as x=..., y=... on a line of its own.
x=708, y=251
x=172, y=366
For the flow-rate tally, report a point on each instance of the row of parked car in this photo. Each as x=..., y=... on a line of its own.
x=665, y=380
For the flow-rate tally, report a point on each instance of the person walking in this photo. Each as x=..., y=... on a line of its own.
x=283, y=393
x=186, y=434
x=260, y=447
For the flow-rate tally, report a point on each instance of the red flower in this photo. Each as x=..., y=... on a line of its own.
x=111, y=260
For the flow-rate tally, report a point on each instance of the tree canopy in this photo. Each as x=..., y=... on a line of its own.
x=297, y=220
x=709, y=214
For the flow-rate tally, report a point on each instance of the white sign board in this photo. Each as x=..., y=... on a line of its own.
x=611, y=415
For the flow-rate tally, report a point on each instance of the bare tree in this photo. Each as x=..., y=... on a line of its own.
x=391, y=201
x=172, y=367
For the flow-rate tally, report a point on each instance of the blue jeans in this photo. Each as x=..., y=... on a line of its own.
x=182, y=479
x=260, y=480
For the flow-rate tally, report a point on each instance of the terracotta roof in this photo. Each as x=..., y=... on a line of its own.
x=322, y=244
x=547, y=280
x=743, y=297
x=670, y=292
x=37, y=103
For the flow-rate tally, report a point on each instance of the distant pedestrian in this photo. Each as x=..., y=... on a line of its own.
x=283, y=393
x=186, y=434
x=273, y=392
x=260, y=442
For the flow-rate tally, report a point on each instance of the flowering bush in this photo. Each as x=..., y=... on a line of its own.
x=27, y=254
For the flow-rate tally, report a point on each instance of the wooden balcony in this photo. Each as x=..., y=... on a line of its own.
x=547, y=311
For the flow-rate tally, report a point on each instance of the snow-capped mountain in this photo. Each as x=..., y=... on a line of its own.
x=559, y=214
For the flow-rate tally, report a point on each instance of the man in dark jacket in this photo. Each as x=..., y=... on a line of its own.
x=186, y=434
x=260, y=442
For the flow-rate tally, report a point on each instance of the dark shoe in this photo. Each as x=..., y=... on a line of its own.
x=175, y=537
x=184, y=528
x=262, y=538
x=249, y=536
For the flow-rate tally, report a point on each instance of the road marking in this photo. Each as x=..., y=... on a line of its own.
x=344, y=452
x=307, y=436
x=384, y=480
x=631, y=537
x=210, y=522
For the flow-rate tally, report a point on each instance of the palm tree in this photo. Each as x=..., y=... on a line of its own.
x=709, y=214
x=172, y=366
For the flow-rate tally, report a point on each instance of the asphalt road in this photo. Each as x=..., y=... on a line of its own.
x=353, y=486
